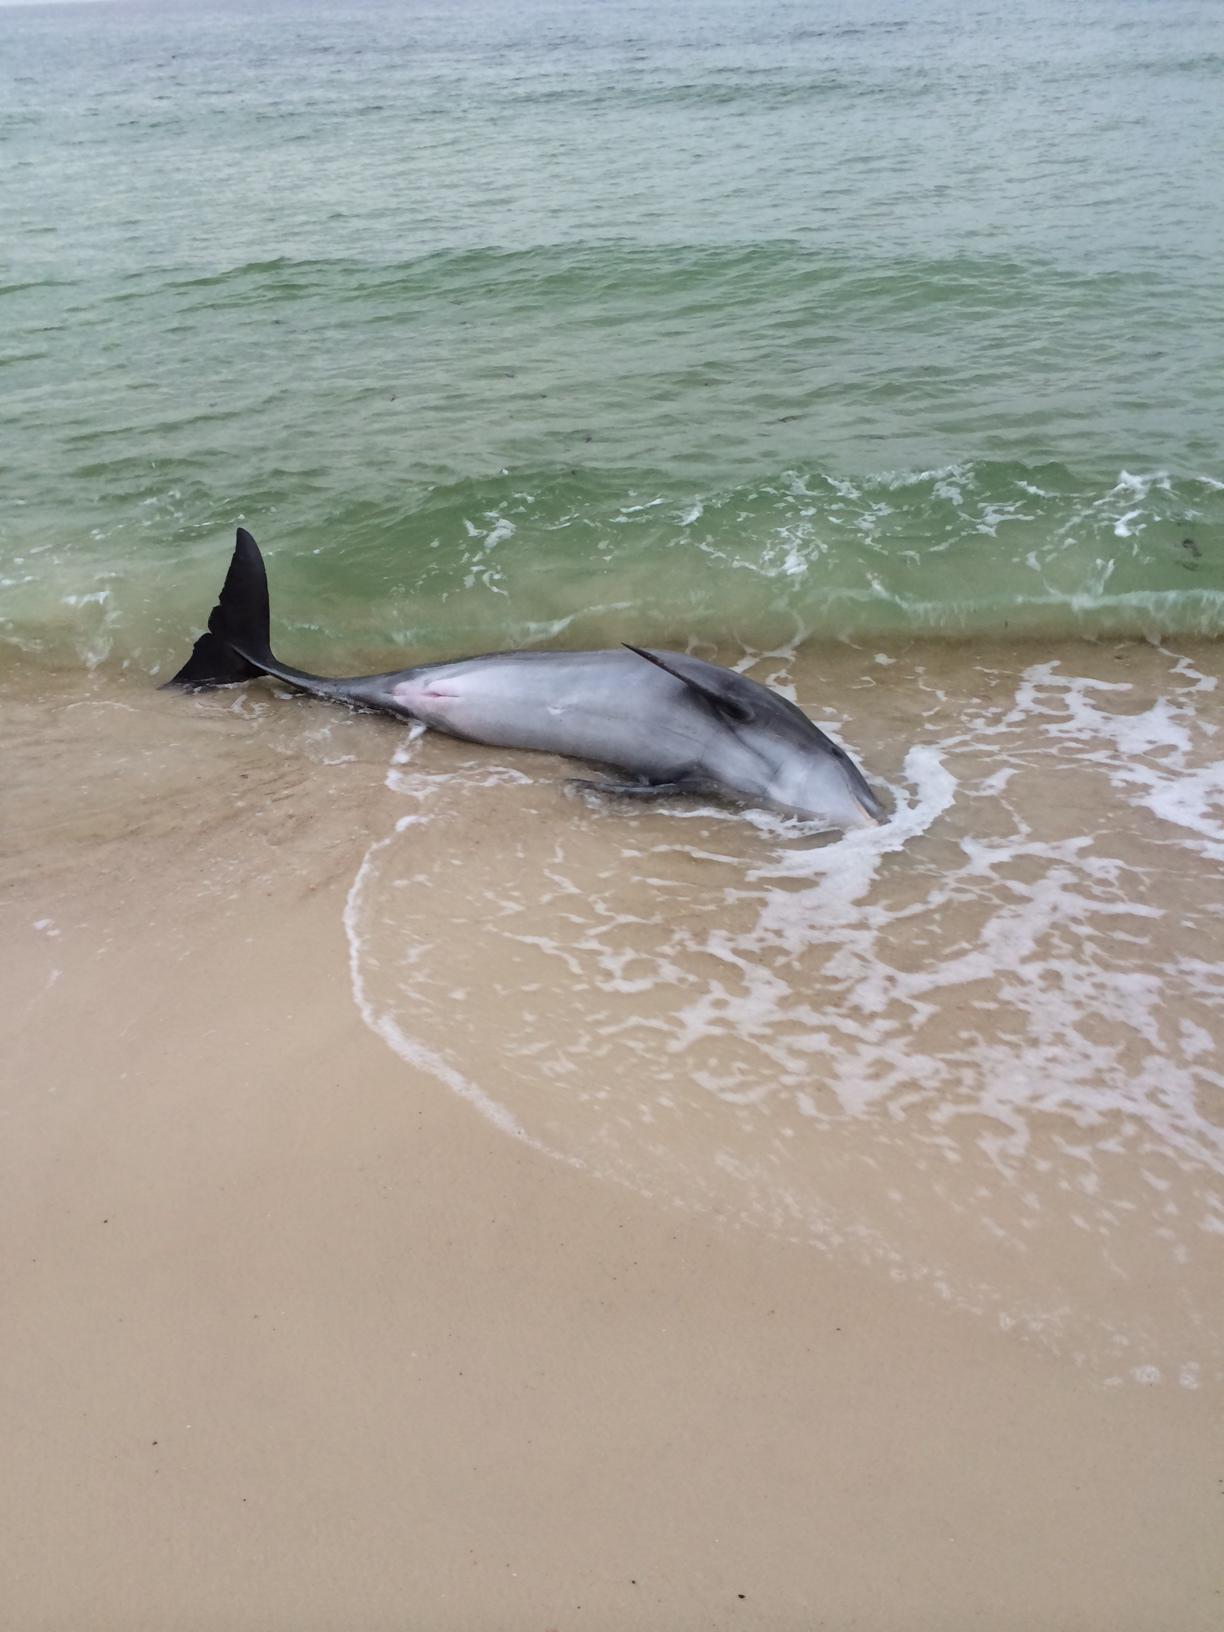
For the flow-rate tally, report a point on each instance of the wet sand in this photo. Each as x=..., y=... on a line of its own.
x=296, y=1336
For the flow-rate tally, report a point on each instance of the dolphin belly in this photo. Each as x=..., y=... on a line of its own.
x=603, y=706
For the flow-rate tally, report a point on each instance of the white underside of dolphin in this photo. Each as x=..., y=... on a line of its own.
x=670, y=722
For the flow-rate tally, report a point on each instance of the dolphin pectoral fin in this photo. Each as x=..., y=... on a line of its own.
x=630, y=790
x=704, y=679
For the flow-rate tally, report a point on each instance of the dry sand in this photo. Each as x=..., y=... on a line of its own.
x=294, y=1338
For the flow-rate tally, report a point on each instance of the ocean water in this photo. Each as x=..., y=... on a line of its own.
x=503, y=323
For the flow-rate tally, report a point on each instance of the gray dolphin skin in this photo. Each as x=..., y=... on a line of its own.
x=672, y=723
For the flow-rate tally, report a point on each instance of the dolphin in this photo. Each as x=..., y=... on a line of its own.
x=671, y=722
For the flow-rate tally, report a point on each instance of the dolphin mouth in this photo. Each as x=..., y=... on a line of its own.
x=874, y=813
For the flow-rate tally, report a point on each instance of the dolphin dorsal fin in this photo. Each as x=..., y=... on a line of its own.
x=713, y=685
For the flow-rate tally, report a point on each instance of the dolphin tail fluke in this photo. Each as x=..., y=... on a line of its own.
x=235, y=645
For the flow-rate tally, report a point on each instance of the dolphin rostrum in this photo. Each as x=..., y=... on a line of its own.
x=673, y=723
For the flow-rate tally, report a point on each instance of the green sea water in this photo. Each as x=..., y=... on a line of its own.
x=570, y=322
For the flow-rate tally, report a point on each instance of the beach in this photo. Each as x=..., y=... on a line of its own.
x=439, y=1194
x=300, y=1336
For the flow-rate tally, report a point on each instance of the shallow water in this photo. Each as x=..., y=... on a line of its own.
x=976, y=1049
x=979, y=1045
